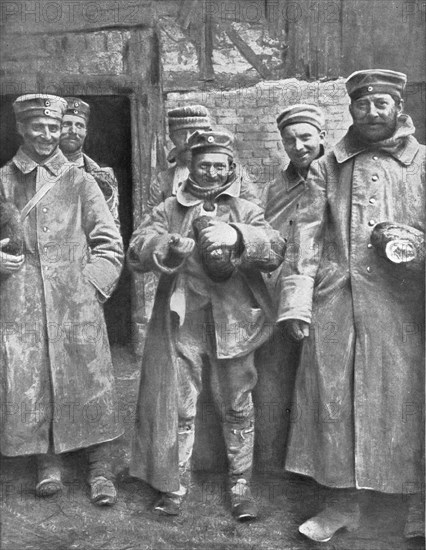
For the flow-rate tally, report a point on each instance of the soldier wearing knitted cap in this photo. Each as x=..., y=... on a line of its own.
x=182, y=122
x=359, y=285
x=73, y=136
x=210, y=247
x=302, y=129
x=71, y=261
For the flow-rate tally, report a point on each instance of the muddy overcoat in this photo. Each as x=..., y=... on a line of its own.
x=54, y=352
x=359, y=398
x=242, y=303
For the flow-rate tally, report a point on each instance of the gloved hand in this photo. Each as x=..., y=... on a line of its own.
x=295, y=329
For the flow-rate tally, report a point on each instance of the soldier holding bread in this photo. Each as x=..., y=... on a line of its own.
x=210, y=247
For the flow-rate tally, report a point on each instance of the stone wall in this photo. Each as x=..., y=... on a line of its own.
x=43, y=62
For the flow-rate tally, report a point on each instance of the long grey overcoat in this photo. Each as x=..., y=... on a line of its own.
x=359, y=399
x=242, y=312
x=54, y=350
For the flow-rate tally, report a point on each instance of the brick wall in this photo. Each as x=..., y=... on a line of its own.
x=250, y=114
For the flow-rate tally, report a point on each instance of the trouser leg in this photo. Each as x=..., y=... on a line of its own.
x=232, y=383
x=99, y=461
x=415, y=520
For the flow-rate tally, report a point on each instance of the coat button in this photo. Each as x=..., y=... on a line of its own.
x=372, y=200
x=375, y=157
x=44, y=210
x=45, y=229
x=369, y=269
x=375, y=178
x=369, y=245
x=371, y=223
x=44, y=248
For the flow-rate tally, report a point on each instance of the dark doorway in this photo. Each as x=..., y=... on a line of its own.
x=109, y=144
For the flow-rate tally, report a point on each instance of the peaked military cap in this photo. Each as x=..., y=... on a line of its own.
x=31, y=105
x=375, y=81
x=211, y=142
x=190, y=116
x=78, y=107
x=301, y=113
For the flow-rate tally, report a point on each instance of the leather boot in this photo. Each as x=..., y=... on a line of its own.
x=48, y=475
x=335, y=516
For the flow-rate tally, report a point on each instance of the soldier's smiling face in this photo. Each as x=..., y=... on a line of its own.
x=210, y=169
x=40, y=135
x=302, y=143
x=73, y=133
x=375, y=116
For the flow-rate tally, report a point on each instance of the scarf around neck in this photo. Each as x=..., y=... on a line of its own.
x=392, y=145
x=208, y=195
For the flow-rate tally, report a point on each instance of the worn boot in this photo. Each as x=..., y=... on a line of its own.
x=48, y=475
x=100, y=478
x=169, y=504
x=415, y=522
x=239, y=440
x=338, y=515
x=243, y=505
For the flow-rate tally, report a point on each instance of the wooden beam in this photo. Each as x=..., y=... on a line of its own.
x=247, y=52
x=186, y=12
x=206, y=49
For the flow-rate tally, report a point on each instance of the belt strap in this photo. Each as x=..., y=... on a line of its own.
x=35, y=199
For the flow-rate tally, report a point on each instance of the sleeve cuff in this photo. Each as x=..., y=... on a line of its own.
x=296, y=295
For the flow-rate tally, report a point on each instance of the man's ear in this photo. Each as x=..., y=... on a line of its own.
x=20, y=128
x=400, y=107
x=322, y=134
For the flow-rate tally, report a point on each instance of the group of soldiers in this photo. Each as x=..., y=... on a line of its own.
x=338, y=240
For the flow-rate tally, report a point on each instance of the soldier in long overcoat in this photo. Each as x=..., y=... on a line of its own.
x=359, y=399
x=57, y=384
x=71, y=142
x=302, y=130
x=205, y=308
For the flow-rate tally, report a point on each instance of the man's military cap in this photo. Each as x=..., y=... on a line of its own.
x=190, y=116
x=375, y=81
x=31, y=105
x=211, y=142
x=78, y=107
x=301, y=113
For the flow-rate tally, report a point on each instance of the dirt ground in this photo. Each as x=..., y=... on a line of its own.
x=68, y=521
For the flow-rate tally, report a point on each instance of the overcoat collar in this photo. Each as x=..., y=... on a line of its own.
x=403, y=146
x=26, y=164
x=292, y=176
